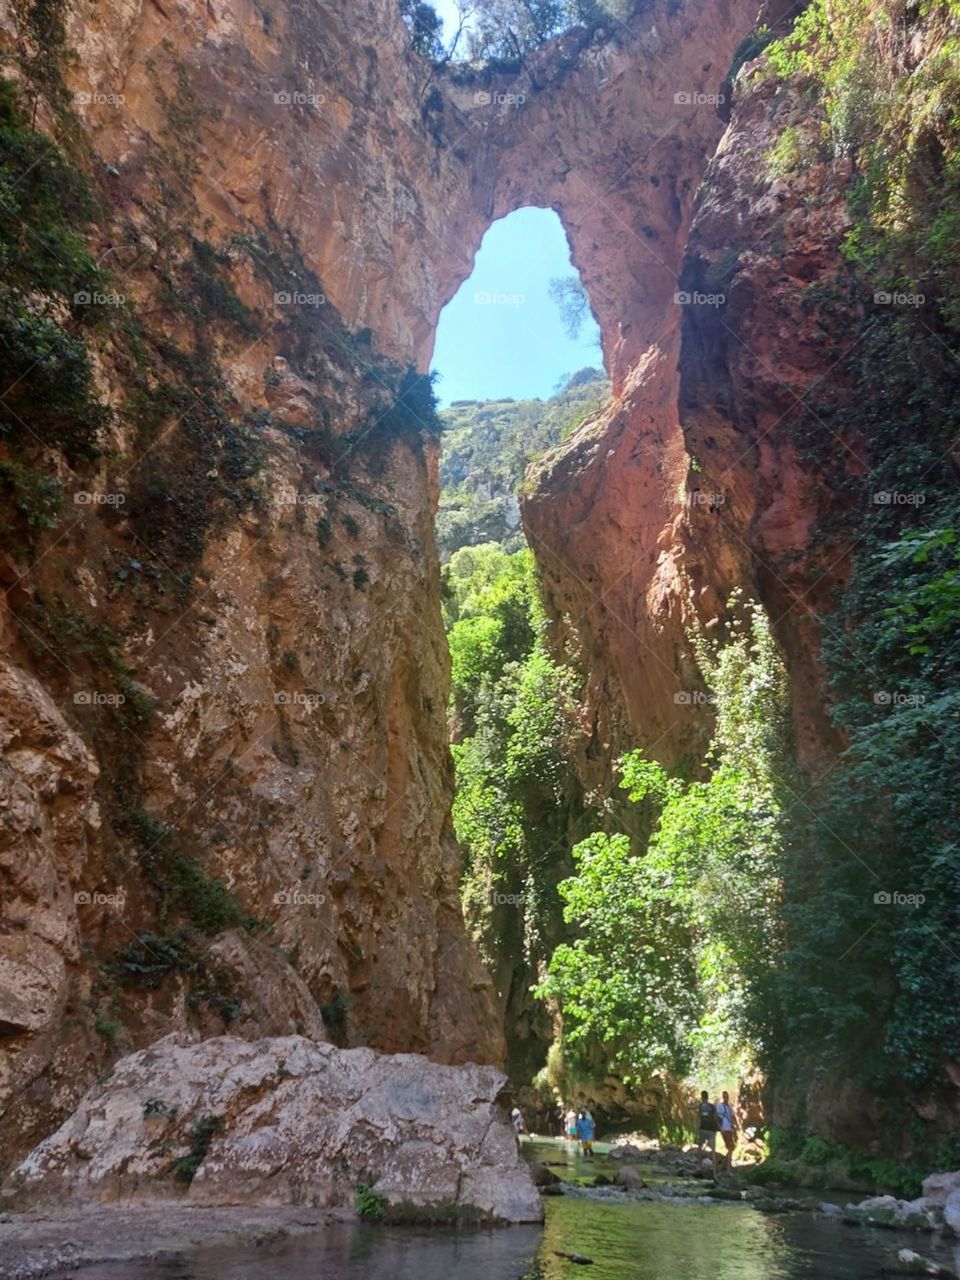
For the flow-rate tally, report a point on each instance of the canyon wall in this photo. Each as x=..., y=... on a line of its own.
x=226, y=781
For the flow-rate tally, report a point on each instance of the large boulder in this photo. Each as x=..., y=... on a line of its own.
x=286, y=1121
x=938, y=1187
x=951, y=1211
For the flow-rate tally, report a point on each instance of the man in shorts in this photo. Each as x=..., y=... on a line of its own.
x=707, y=1126
x=727, y=1119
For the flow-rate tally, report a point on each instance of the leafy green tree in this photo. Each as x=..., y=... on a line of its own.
x=571, y=298
x=517, y=796
x=504, y=30
x=425, y=27
x=674, y=938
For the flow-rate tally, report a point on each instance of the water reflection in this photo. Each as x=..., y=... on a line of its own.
x=625, y=1239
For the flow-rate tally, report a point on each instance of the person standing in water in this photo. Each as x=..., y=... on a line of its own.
x=585, y=1131
x=706, y=1130
x=571, y=1125
x=727, y=1119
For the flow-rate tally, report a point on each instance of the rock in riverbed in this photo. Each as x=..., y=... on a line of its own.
x=286, y=1121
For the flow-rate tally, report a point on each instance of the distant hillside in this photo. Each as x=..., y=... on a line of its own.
x=487, y=446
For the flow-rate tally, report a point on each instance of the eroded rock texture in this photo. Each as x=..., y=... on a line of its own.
x=287, y=1121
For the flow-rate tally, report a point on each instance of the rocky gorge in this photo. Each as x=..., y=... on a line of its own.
x=228, y=873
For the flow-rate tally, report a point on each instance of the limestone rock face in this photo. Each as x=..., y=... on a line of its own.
x=289, y=1122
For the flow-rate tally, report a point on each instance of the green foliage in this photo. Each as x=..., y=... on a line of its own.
x=425, y=27
x=204, y=291
x=369, y=1204
x=152, y=957
x=866, y=986
x=502, y=31
x=179, y=878
x=674, y=940
x=42, y=48
x=157, y=1107
x=47, y=375
x=27, y=498
x=334, y=1011
x=184, y=1168
x=512, y=711
x=487, y=447
x=109, y=1028
x=750, y=47
x=571, y=298
x=411, y=414
x=787, y=154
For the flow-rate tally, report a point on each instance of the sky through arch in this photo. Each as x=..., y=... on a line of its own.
x=502, y=334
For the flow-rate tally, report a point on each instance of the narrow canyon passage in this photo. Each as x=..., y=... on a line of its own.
x=479, y=637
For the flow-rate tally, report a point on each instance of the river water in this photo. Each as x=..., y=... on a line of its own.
x=624, y=1238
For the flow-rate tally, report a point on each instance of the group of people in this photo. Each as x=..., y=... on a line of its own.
x=714, y=1118
x=578, y=1126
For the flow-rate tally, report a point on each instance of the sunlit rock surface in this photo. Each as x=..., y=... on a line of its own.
x=291, y=1122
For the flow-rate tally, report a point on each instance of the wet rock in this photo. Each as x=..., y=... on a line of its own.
x=296, y=1122
x=901, y=1215
x=629, y=1178
x=542, y=1176
x=938, y=1187
x=578, y=1258
x=951, y=1211
x=626, y=1151
x=910, y=1263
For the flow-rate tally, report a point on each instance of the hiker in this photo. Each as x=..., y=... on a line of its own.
x=706, y=1130
x=585, y=1131
x=727, y=1119
x=571, y=1125
x=519, y=1124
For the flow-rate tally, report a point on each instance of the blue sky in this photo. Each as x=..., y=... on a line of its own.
x=447, y=10
x=501, y=334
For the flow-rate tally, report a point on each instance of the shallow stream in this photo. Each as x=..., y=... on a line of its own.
x=626, y=1239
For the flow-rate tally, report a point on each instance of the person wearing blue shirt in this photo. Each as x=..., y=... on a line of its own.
x=585, y=1131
